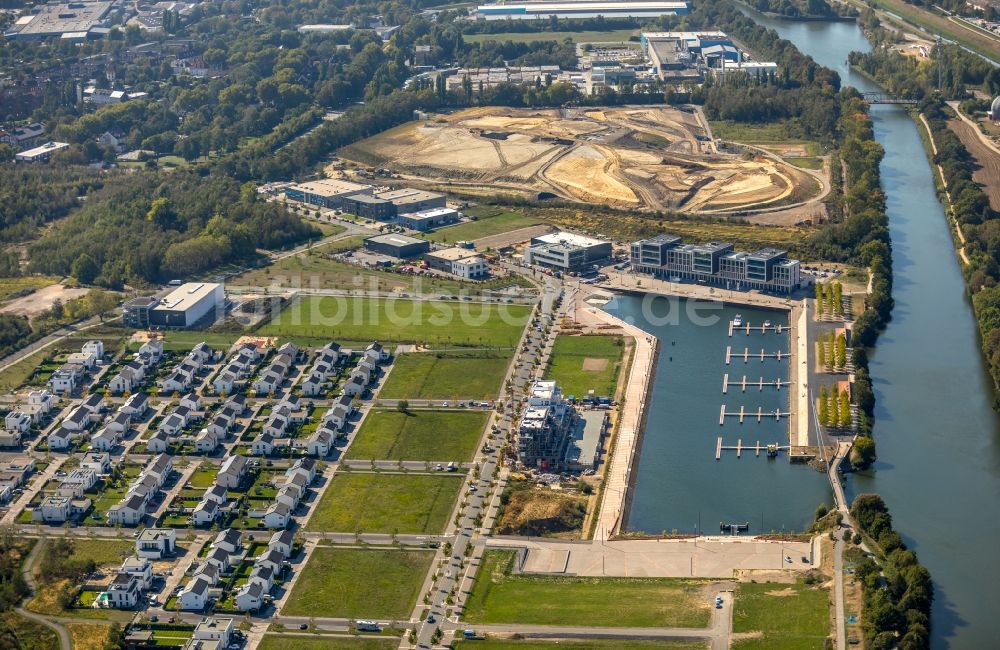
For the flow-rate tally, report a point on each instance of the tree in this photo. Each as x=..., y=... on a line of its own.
x=863, y=452
x=403, y=406
x=841, y=352
x=84, y=269
x=845, y=409
x=822, y=411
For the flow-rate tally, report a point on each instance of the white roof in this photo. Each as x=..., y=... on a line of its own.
x=570, y=238
x=187, y=295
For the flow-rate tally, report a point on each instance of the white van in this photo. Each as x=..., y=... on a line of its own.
x=368, y=626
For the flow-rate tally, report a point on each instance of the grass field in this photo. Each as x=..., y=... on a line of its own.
x=278, y=642
x=419, y=435
x=11, y=286
x=501, y=597
x=386, y=503
x=791, y=617
x=489, y=221
x=444, y=375
x=315, y=270
x=26, y=633
x=179, y=340
x=400, y=320
x=589, y=644
x=583, y=363
x=104, y=552
x=609, y=36
x=357, y=583
x=88, y=636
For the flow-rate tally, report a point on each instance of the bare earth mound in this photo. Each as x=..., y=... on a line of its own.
x=646, y=157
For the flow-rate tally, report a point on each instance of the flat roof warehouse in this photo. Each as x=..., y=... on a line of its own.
x=46, y=21
x=538, y=10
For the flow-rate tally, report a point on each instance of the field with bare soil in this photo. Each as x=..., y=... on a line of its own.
x=988, y=174
x=626, y=157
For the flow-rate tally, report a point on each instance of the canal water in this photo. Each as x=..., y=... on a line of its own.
x=680, y=486
x=938, y=439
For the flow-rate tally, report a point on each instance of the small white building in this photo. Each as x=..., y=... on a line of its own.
x=194, y=597
x=156, y=543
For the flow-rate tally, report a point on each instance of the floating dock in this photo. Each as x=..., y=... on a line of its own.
x=763, y=329
x=770, y=450
x=743, y=413
x=747, y=355
x=758, y=383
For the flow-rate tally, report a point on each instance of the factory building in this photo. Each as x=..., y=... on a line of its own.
x=717, y=263
x=328, y=192
x=429, y=219
x=188, y=304
x=71, y=21
x=409, y=200
x=400, y=246
x=567, y=252
x=42, y=153
x=580, y=9
x=368, y=207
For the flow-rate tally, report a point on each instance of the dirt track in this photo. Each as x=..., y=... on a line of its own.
x=988, y=174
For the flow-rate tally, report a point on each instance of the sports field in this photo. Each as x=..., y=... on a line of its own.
x=359, y=583
x=419, y=435
x=499, y=596
x=584, y=363
x=386, y=503
x=432, y=322
x=446, y=375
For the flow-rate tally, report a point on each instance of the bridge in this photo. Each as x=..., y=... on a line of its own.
x=885, y=98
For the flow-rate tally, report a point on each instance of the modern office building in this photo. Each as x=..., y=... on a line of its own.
x=580, y=9
x=135, y=312
x=463, y=262
x=368, y=207
x=328, y=192
x=188, y=304
x=564, y=251
x=426, y=220
x=400, y=246
x=716, y=263
x=546, y=427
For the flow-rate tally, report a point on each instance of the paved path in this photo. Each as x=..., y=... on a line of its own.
x=838, y=592
x=29, y=579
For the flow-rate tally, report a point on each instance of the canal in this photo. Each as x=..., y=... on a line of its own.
x=938, y=439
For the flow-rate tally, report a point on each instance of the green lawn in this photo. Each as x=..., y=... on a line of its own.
x=489, y=221
x=807, y=162
x=589, y=644
x=583, y=363
x=400, y=320
x=419, y=435
x=104, y=552
x=359, y=583
x=184, y=340
x=609, y=36
x=446, y=375
x=499, y=596
x=278, y=642
x=386, y=503
x=791, y=617
x=203, y=477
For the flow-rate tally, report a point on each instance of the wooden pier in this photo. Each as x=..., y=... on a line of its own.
x=743, y=413
x=771, y=450
x=744, y=383
x=747, y=355
x=763, y=329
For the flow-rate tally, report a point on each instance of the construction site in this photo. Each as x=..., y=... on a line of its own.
x=656, y=158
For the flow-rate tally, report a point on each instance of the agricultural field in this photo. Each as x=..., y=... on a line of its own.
x=355, y=583
x=609, y=36
x=649, y=157
x=782, y=616
x=386, y=503
x=583, y=363
x=446, y=375
x=400, y=321
x=499, y=596
x=419, y=435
